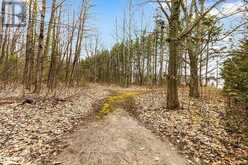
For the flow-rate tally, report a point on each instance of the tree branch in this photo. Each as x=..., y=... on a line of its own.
x=188, y=30
x=163, y=10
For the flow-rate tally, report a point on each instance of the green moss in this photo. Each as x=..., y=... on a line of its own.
x=107, y=106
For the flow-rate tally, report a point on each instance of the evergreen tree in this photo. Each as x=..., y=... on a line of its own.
x=235, y=74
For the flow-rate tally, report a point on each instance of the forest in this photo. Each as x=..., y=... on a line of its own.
x=119, y=82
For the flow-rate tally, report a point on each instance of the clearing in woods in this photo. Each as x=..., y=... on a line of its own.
x=117, y=139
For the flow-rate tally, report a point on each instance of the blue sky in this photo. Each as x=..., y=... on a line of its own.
x=107, y=11
x=104, y=13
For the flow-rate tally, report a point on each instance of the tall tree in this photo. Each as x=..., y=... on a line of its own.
x=40, y=55
x=27, y=75
x=172, y=89
x=81, y=31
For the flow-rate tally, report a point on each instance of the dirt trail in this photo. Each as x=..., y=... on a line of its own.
x=118, y=139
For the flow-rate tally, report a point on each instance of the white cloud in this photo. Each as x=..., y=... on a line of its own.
x=215, y=12
x=228, y=8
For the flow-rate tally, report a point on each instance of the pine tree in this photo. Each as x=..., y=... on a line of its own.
x=235, y=74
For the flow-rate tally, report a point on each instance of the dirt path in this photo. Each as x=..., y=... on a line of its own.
x=118, y=139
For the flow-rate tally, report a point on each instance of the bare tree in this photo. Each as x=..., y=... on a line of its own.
x=81, y=31
x=40, y=55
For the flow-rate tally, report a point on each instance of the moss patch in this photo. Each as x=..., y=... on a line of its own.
x=107, y=105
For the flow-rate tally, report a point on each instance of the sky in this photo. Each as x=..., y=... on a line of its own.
x=104, y=13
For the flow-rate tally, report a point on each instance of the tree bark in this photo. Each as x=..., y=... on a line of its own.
x=29, y=49
x=40, y=55
x=172, y=88
x=82, y=21
x=194, y=78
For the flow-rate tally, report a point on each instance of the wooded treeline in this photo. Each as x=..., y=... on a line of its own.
x=147, y=62
x=181, y=49
x=163, y=55
x=117, y=66
x=46, y=51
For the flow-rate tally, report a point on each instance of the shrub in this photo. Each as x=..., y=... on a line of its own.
x=235, y=74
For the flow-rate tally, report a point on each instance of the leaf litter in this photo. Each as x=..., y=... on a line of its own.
x=201, y=129
x=31, y=133
x=206, y=131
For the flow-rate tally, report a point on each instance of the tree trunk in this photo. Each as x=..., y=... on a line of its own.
x=155, y=58
x=194, y=79
x=29, y=48
x=206, y=71
x=40, y=54
x=172, y=88
x=161, y=57
x=49, y=31
x=52, y=77
x=81, y=30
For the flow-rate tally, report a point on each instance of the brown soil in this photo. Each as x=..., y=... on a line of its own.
x=118, y=139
